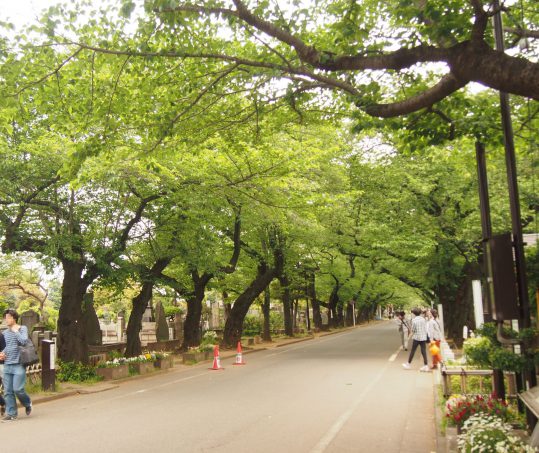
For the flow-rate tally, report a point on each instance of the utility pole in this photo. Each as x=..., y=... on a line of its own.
x=514, y=201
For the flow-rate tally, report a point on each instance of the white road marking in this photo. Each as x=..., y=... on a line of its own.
x=394, y=356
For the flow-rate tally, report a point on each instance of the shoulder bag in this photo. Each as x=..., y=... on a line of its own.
x=28, y=354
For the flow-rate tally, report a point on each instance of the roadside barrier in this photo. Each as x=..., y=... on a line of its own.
x=216, y=359
x=239, y=356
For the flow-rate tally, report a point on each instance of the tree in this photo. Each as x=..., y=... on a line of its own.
x=350, y=46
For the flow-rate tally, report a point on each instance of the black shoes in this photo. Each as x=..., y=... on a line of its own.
x=9, y=418
x=28, y=410
x=2, y=410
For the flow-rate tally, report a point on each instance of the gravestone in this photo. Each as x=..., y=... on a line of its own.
x=161, y=326
x=178, y=327
x=29, y=319
x=120, y=326
x=148, y=316
x=91, y=322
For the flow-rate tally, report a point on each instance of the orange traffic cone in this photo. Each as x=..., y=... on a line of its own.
x=216, y=359
x=239, y=355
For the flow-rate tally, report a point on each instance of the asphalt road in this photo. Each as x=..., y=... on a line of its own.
x=340, y=393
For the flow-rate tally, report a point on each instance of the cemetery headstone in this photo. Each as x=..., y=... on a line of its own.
x=29, y=319
x=148, y=316
x=161, y=326
x=178, y=327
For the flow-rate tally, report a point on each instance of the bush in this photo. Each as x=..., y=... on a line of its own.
x=486, y=433
x=172, y=311
x=252, y=325
x=485, y=352
x=276, y=321
x=76, y=372
x=477, y=351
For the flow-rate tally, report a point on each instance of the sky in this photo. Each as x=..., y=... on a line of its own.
x=22, y=11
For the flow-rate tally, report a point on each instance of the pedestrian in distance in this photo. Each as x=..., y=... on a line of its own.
x=434, y=332
x=404, y=329
x=2, y=400
x=14, y=371
x=419, y=337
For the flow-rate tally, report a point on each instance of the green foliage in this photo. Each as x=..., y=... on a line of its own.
x=486, y=351
x=276, y=321
x=477, y=351
x=252, y=325
x=208, y=342
x=76, y=372
x=171, y=310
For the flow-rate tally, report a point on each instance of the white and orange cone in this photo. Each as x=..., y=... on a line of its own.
x=239, y=356
x=216, y=359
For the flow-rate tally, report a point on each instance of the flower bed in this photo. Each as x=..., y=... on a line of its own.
x=488, y=433
x=163, y=361
x=141, y=367
x=460, y=408
x=116, y=371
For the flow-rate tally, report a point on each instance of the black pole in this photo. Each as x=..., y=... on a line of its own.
x=486, y=229
x=529, y=379
x=514, y=201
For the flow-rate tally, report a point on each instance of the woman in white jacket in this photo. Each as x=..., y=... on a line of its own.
x=434, y=333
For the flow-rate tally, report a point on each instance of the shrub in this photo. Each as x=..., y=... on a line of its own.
x=276, y=321
x=477, y=351
x=485, y=352
x=252, y=325
x=487, y=433
x=76, y=372
x=172, y=310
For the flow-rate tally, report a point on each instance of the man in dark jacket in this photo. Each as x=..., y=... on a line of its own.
x=2, y=401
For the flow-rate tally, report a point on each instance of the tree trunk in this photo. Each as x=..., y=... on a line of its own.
x=332, y=305
x=139, y=303
x=191, y=332
x=72, y=345
x=317, y=316
x=266, y=331
x=134, y=325
x=349, y=314
x=287, y=305
x=234, y=323
x=459, y=303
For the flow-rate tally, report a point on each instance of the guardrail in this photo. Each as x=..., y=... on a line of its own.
x=464, y=374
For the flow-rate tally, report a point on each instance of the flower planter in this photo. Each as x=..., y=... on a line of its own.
x=194, y=356
x=142, y=367
x=164, y=363
x=115, y=372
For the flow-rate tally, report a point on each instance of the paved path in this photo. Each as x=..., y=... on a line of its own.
x=345, y=392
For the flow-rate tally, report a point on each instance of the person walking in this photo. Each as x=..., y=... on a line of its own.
x=434, y=333
x=404, y=329
x=419, y=337
x=14, y=372
x=2, y=400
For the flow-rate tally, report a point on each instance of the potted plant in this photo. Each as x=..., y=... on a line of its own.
x=141, y=364
x=162, y=360
x=113, y=369
x=204, y=351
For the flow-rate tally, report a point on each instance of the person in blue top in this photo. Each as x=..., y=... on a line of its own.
x=2, y=401
x=14, y=373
